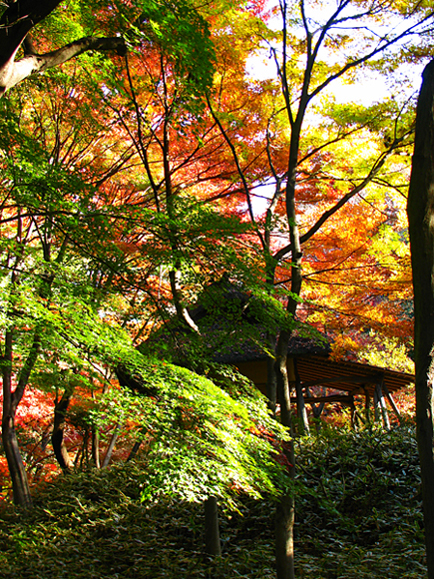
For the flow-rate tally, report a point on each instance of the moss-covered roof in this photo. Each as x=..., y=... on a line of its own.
x=236, y=326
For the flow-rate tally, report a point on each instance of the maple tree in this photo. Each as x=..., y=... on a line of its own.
x=94, y=218
x=135, y=192
x=40, y=220
x=175, y=25
x=315, y=185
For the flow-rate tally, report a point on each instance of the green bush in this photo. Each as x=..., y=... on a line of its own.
x=358, y=516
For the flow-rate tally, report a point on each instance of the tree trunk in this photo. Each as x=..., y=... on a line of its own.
x=20, y=483
x=271, y=386
x=57, y=436
x=285, y=510
x=95, y=447
x=111, y=446
x=421, y=225
x=285, y=517
x=285, y=514
x=212, y=533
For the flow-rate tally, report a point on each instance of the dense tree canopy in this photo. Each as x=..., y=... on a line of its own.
x=149, y=149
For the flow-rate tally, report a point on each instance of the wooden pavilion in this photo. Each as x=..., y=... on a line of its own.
x=236, y=335
x=318, y=380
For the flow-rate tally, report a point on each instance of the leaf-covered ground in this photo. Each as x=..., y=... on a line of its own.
x=358, y=516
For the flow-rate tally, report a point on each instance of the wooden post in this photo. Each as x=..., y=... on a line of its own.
x=353, y=412
x=317, y=410
x=382, y=404
x=367, y=405
x=392, y=402
x=301, y=408
x=377, y=408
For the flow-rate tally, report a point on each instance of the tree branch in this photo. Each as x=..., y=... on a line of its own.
x=14, y=72
x=17, y=21
x=357, y=189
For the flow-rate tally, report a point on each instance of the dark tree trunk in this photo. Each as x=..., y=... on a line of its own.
x=421, y=223
x=285, y=509
x=11, y=399
x=134, y=450
x=57, y=436
x=271, y=385
x=20, y=483
x=285, y=514
x=212, y=533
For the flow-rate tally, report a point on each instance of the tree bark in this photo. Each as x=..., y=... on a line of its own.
x=17, y=21
x=420, y=211
x=20, y=483
x=111, y=446
x=271, y=386
x=57, y=436
x=212, y=533
x=11, y=399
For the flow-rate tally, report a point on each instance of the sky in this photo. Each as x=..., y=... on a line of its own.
x=365, y=91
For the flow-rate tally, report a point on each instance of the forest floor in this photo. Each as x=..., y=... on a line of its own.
x=358, y=516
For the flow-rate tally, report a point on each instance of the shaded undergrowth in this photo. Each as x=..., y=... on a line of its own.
x=358, y=515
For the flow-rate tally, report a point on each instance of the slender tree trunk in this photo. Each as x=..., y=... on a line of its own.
x=11, y=399
x=271, y=386
x=285, y=509
x=111, y=446
x=212, y=532
x=95, y=442
x=95, y=447
x=421, y=224
x=20, y=483
x=285, y=515
x=57, y=436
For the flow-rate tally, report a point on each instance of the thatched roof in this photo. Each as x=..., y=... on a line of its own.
x=236, y=326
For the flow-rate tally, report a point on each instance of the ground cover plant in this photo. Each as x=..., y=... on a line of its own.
x=358, y=515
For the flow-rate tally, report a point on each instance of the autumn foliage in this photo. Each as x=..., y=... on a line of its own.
x=135, y=176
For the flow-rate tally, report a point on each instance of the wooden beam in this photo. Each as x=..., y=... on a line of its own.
x=376, y=406
x=352, y=378
x=332, y=398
